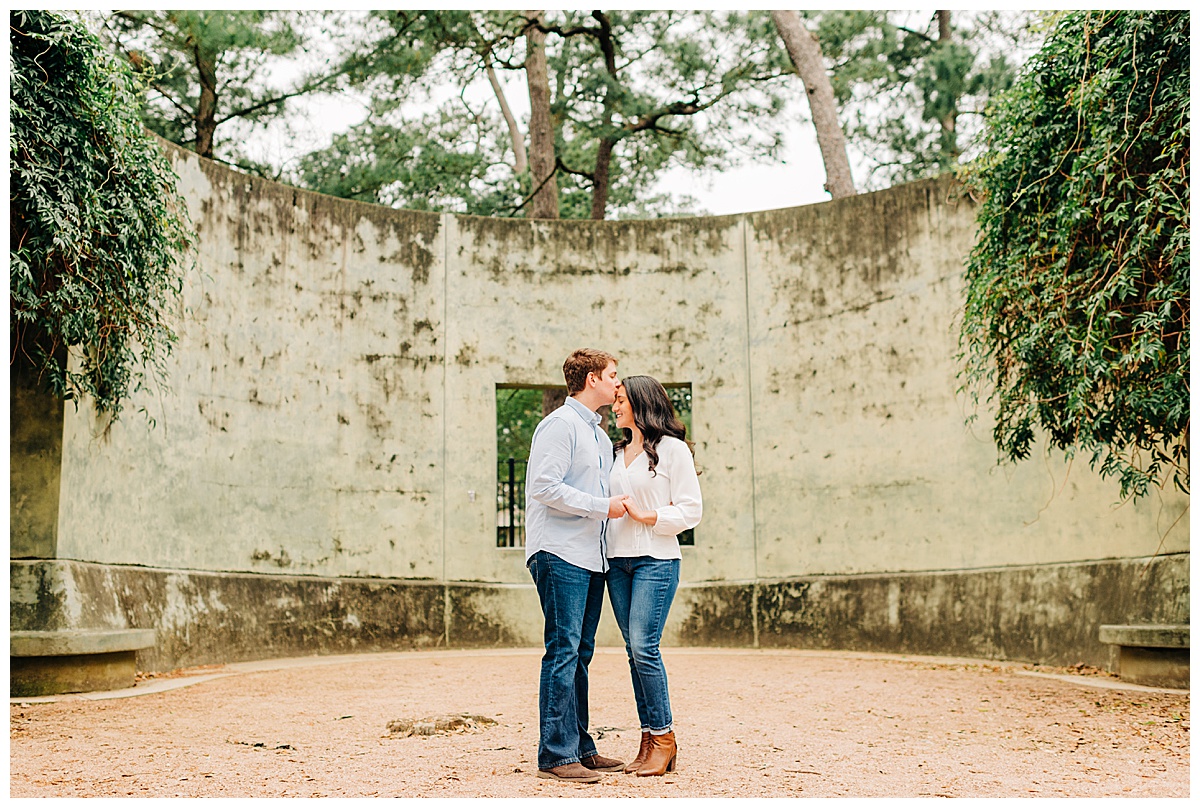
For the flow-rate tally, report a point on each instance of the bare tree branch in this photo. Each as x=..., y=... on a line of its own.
x=536, y=190
x=520, y=158
x=584, y=174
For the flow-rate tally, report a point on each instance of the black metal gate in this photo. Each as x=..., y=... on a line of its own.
x=510, y=503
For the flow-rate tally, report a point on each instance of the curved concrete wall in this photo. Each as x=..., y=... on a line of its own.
x=332, y=406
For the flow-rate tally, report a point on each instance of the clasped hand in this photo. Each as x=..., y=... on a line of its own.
x=618, y=506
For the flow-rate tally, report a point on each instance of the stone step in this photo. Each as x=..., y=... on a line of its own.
x=43, y=663
x=1147, y=654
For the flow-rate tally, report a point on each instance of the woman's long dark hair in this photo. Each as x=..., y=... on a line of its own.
x=653, y=415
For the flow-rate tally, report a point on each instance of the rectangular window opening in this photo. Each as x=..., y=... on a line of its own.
x=519, y=409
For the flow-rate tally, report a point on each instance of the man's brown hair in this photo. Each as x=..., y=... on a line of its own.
x=582, y=362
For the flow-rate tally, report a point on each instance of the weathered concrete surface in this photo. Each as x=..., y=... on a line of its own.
x=204, y=616
x=714, y=615
x=862, y=462
x=302, y=431
x=332, y=408
x=1045, y=613
x=35, y=429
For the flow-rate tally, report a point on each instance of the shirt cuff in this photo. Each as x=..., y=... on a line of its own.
x=664, y=525
x=601, y=511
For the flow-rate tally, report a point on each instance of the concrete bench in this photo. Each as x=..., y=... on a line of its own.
x=43, y=663
x=1156, y=655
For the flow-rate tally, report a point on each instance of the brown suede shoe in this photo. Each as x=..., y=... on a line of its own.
x=643, y=753
x=599, y=763
x=662, y=756
x=570, y=773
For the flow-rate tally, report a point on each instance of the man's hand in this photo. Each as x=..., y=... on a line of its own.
x=616, y=507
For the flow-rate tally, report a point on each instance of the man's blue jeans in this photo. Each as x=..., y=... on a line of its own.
x=572, y=598
x=641, y=590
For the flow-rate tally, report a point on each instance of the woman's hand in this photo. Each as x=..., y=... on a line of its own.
x=639, y=515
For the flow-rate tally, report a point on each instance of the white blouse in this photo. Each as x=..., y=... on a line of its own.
x=672, y=491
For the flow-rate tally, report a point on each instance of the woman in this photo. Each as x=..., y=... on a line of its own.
x=653, y=469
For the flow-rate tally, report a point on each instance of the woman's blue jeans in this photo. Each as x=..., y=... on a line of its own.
x=572, y=599
x=641, y=590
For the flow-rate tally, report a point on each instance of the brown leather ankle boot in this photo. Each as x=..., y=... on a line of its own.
x=662, y=756
x=643, y=753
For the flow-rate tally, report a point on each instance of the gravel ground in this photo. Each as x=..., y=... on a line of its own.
x=749, y=723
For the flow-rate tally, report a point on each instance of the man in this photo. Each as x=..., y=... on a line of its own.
x=566, y=513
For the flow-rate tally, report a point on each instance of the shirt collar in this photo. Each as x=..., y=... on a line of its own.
x=592, y=418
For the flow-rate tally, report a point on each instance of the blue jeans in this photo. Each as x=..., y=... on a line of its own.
x=572, y=598
x=641, y=590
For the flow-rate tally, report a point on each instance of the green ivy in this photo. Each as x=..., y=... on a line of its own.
x=1077, y=313
x=97, y=227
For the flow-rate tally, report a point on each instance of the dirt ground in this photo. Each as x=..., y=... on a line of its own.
x=749, y=723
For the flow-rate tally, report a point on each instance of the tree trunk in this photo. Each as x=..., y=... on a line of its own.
x=552, y=399
x=520, y=159
x=600, y=174
x=600, y=177
x=206, y=110
x=950, y=119
x=541, y=128
x=943, y=18
x=805, y=53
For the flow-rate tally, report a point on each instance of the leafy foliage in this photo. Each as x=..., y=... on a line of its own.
x=96, y=225
x=406, y=154
x=518, y=412
x=208, y=73
x=1077, y=311
x=912, y=101
x=700, y=89
x=441, y=160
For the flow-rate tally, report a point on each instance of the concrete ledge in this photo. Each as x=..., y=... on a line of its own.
x=43, y=663
x=1146, y=636
x=78, y=642
x=1154, y=655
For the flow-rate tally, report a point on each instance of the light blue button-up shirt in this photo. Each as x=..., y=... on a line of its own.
x=566, y=487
